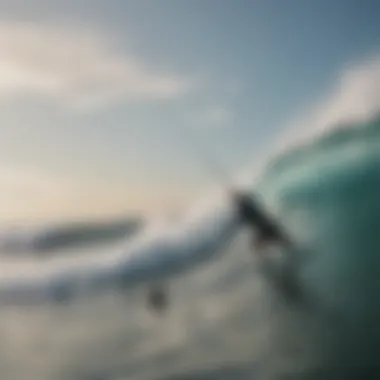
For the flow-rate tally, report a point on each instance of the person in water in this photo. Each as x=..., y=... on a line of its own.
x=267, y=233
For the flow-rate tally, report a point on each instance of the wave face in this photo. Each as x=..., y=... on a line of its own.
x=327, y=194
x=226, y=320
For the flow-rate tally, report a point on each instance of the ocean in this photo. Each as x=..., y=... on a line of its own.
x=226, y=320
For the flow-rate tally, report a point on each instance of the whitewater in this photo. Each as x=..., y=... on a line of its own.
x=226, y=320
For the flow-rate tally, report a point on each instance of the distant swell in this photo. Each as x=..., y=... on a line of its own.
x=46, y=240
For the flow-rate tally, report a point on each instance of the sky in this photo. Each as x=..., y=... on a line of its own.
x=101, y=102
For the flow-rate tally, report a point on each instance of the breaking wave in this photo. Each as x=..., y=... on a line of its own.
x=327, y=194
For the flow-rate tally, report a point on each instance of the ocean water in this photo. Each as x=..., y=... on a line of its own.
x=226, y=320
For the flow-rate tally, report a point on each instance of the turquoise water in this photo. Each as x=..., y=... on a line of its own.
x=226, y=321
x=327, y=193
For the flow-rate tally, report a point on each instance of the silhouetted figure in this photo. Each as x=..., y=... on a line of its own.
x=267, y=231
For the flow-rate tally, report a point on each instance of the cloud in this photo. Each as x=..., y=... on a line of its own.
x=76, y=67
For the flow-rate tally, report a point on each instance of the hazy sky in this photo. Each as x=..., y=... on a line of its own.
x=98, y=99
